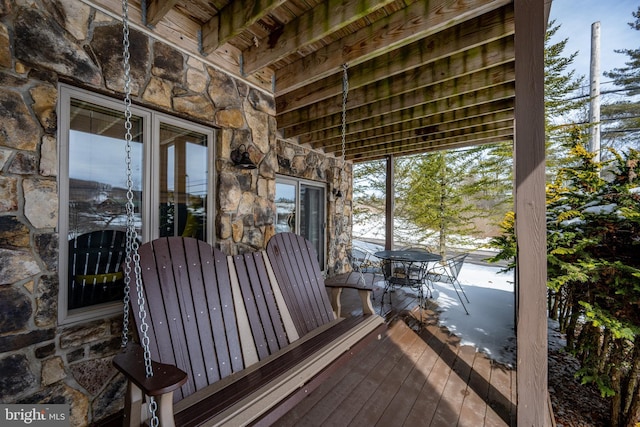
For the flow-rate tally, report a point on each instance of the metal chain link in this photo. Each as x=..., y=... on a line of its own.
x=340, y=200
x=127, y=126
x=132, y=257
x=345, y=93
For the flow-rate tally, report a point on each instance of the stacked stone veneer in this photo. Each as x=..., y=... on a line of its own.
x=43, y=43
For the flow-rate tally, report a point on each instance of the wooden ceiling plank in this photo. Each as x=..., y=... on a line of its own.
x=361, y=129
x=233, y=19
x=485, y=130
x=482, y=62
x=401, y=28
x=157, y=9
x=439, y=90
x=483, y=98
x=323, y=20
x=424, y=126
x=478, y=31
x=371, y=156
x=411, y=147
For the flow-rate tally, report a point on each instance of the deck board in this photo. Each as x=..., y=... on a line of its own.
x=405, y=353
x=364, y=392
x=416, y=375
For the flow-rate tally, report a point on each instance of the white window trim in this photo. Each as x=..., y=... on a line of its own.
x=150, y=122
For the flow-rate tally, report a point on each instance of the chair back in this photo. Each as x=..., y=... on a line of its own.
x=455, y=264
x=364, y=261
x=94, y=268
x=205, y=317
x=190, y=310
x=297, y=271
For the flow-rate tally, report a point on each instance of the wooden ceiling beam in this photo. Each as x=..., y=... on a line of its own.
x=420, y=127
x=232, y=20
x=363, y=128
x=157, y=9
x=483, y=98
x=320, y=22
x=400, y=118
x=406, y=148
x=373, y=107
x=500, y=128
x=481, y=30
x=410, y=24
x=481, y=66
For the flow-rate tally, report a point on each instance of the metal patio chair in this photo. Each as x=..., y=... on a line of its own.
x=447, y=272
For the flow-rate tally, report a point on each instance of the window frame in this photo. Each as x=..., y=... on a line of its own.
x=151, y=120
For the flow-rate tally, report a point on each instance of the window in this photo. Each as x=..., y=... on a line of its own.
x=300, y=208
x=171, y=180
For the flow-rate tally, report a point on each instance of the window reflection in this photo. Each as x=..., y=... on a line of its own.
x=285, y=207
x=97, y=201
x=183, y=182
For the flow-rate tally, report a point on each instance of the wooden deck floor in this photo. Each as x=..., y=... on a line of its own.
x=416, y=375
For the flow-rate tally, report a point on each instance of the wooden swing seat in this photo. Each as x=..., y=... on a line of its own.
x=235, y=340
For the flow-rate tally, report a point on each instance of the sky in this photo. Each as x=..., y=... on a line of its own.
x=576, y=17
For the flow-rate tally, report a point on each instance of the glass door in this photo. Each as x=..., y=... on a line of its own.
x=300, y=208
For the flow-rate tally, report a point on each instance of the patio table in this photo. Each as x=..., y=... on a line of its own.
x=408, y=256
x=406, y=268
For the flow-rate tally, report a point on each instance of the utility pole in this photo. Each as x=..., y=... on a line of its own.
x=594, y=104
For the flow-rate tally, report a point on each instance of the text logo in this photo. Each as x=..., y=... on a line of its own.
x=34, y=415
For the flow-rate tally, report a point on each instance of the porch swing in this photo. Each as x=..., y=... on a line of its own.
x=234, y=339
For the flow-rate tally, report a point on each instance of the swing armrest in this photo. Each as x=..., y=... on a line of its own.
x=362, y=282
x=165, y=379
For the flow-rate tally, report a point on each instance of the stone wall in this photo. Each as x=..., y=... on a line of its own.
x=42, y=43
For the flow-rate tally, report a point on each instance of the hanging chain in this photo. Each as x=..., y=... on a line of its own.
x=127, y=137
x=340, y=220
x=131, y=255
x=345, y=93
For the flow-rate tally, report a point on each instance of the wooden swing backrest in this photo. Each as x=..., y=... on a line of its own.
x=204, y=317
x=295, y=265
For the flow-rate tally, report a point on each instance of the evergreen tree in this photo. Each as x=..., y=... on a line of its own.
x=446, y=192
x=621, y=120
x=368, y=192
x=594, y=268
x=628, y=77
x=559, y=85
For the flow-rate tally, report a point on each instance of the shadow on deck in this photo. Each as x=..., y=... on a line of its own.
x=418, y=374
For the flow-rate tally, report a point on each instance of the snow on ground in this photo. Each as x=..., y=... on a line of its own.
x=404, y=231
x=489, y=326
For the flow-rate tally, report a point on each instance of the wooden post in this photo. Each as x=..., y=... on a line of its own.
x=390, y=204
x=531, y=270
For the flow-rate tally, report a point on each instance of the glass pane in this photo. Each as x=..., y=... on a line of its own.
x=183, y=182
x=285, y=207
x=312, y=217
x=97, y=201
